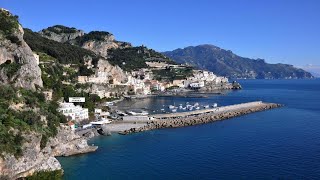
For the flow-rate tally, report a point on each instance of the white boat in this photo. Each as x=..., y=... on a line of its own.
x=190, y=108
x=197, y=108
x=171, y=107
x=109, y=104
x=135, y=113
x=196, y=104
x=174, y=110
x=162, y=109
x=206, y=106
x=180, y=106
x=215, y=105
x=184, y=108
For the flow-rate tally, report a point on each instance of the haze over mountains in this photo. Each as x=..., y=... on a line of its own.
x=313, y=69
x=226, y=63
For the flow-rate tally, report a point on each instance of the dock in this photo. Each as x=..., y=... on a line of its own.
x=207, y=111
x=175, y=120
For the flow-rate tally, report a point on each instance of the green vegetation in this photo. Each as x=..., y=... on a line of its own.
x=64, y=53
x=91, y=99
x=128, y=58
x=59, y=29
x=171, y=74
x=52, y=77
x=10, y=68
x=93, y=35
x=8, y=25
x=45, y=57
x=134, y=58
x=15, y=121
x=41, y=175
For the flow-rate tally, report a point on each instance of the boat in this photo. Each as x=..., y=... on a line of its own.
x=174, y=110
x=138, y=112
x=171, y=107
x=196, y=104
x=184, y=108
x=215, y=105
x=197, y=108
x=162, y=109
x=190, y=108
x=206, y=106
x=180, y=106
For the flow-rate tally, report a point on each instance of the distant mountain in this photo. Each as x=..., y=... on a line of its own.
x=226, y=63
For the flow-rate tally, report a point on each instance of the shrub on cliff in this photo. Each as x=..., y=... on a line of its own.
x=59, y=29
x=18, y=119
x=41, y=175
x=171, y=74
x=8, y=23
x=93, y=35
x=10, y=68
x=64, y=53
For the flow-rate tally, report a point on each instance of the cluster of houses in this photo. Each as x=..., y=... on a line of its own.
x=141, y=82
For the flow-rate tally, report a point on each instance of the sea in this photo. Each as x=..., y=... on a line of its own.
x=282, y=143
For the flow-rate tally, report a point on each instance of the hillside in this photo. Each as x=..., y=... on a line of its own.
x=60, y=39
x=32, y=131
x=225, y=63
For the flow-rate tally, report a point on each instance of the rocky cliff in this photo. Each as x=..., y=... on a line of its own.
x=35, y=159
x=18, y=64
x=97, y=41
x=61, y=33
x=115, y=72
x=226, y=63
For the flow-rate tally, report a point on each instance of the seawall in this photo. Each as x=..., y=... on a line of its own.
x=175, y=120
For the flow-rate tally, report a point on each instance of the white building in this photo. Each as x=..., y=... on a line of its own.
x=76, y=113
x=197, y=84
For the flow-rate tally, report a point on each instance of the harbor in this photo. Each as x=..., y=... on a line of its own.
x=132, y=124
x=175, y=120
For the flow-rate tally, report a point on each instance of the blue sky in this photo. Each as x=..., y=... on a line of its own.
x=285, y=31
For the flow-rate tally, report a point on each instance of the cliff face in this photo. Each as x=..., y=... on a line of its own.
x=36, y=159
x=16, y=52
x=97, y=41
x=225, y=63
x=114, y=71
x=61, y=33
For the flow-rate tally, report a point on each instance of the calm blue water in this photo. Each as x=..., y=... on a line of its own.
x=281, y=143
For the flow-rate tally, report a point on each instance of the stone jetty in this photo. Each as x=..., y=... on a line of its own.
x=202, y=117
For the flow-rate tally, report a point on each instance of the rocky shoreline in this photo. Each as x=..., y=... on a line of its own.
x=35, y=158
x=200, y=119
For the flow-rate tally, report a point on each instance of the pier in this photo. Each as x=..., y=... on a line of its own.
x=191, y=118
x=209, y=110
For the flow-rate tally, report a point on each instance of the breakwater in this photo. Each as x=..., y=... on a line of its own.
x=175, y=120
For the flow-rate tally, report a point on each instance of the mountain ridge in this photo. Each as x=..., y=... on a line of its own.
x=226, y=63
